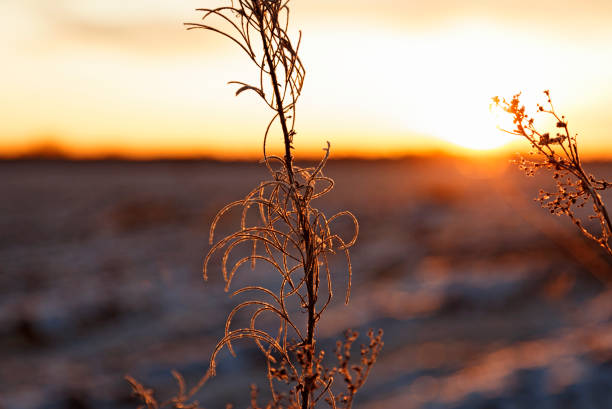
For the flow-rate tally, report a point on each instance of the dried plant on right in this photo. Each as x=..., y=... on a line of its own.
x=557, y=152
x=281, y=232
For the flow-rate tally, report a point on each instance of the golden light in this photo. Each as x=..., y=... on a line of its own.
x=434, y=84
x=473, y=63
x=380, y=84
x=471, y=124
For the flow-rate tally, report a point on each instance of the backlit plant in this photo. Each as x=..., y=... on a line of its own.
x=282, y=230
x=557, y=151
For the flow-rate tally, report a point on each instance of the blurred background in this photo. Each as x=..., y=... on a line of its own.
x=485, y=299
x=120, y=141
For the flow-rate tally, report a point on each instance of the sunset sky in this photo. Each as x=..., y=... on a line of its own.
x=384, y=77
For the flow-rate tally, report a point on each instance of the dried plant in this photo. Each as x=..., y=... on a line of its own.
x=559, y=154
x=281, y=229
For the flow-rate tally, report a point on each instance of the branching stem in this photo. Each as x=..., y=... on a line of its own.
x=302, y=212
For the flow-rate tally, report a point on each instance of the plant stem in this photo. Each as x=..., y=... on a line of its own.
x=311, y=265
x=310, y=272
x=600, y=208
x=260, y=10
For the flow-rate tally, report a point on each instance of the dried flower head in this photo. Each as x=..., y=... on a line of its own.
x=559, y=154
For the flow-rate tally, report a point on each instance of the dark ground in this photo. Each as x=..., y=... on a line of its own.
x=486, y=300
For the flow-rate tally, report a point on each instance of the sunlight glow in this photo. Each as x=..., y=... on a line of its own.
x=435, y=83
x=95, y=78
x=479, y=135
x=472, y=66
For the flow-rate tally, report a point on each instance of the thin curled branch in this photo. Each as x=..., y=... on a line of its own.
x=280, y=230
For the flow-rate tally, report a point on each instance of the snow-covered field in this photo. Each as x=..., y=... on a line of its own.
x=486, y=300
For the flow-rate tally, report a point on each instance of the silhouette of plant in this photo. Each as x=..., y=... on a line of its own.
x=280, y=229
x=559, y=154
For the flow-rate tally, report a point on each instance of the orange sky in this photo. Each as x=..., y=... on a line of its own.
x=383, y=78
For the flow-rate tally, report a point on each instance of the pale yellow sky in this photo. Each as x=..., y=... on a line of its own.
x=383, y=77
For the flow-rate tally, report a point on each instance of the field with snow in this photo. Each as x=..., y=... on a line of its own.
x=486, y=300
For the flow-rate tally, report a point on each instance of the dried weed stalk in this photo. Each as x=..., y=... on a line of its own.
x=290, y=236
x=559, y=154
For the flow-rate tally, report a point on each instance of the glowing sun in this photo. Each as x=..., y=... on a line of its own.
x=451, y=88
x=473, y=127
